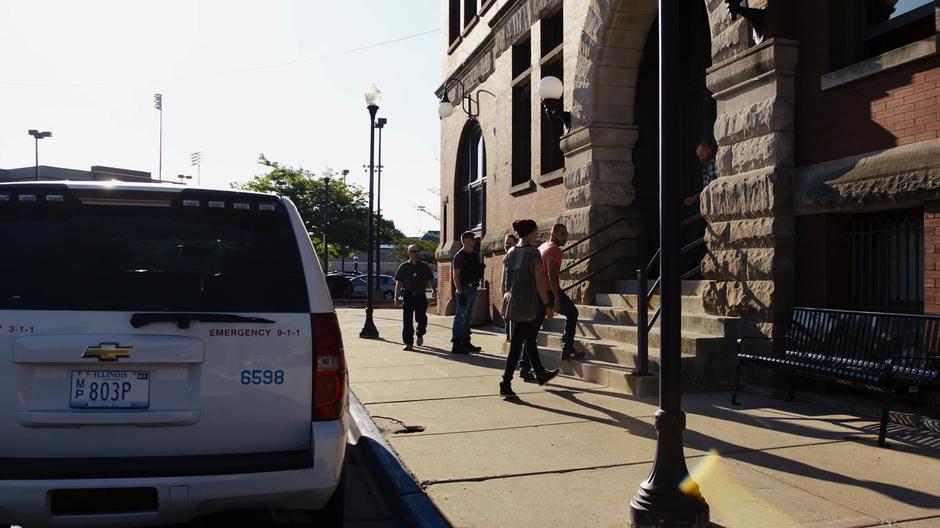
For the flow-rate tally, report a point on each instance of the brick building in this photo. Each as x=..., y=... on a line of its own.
x=826, y=128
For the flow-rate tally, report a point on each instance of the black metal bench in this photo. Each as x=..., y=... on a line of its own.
x=887, y=353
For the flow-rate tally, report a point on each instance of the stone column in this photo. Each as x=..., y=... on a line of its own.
x=598, y=180
x=748, y=208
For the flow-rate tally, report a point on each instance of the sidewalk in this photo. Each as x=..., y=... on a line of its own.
x=573, y=453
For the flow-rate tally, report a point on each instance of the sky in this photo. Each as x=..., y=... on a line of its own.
x=239, y=78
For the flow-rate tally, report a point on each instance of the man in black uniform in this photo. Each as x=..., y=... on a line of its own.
x=412, y=281
x=467, y=274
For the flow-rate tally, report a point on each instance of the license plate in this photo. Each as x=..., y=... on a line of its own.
x=110, y=389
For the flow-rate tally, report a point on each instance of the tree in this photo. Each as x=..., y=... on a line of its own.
x=348, y=206
x=427, y=249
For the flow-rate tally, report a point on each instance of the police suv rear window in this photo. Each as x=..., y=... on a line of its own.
x=150, y=252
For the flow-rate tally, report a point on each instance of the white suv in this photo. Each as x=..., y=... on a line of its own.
x=165, y=353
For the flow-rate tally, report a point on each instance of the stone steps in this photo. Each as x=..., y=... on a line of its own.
x=689, y=287
x=626, y=334
x=608, y=374
x=697, y=323
x=691, y=304
x=707, y=363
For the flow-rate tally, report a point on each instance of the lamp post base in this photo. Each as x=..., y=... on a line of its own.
x=669, y=497
x=662, y=508
x=369, y=331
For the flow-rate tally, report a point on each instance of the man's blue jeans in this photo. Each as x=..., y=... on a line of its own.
x=462, y=318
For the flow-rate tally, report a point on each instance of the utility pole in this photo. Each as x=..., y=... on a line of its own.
x=158, y=104
x=195, y=160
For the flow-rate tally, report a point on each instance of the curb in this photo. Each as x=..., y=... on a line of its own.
x=412, y=505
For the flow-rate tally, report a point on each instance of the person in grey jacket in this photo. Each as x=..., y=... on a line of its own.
x=525, y=296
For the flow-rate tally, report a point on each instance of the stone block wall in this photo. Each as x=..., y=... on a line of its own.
x=750, y=235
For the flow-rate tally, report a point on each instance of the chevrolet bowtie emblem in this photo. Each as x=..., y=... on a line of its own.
x=108, y=352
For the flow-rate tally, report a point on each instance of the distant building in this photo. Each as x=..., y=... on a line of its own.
x=97, y=173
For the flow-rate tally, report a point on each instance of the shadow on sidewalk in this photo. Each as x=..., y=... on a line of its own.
x=790, y=420
x=766, y=458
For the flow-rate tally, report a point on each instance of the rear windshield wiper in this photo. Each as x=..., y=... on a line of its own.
x=184, y=319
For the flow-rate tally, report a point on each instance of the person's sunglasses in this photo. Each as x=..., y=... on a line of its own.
x=414, y=252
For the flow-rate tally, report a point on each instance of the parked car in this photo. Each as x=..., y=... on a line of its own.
x=385, y=289
x=166, y=352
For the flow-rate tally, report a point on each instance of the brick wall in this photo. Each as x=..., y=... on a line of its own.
x=445, y=290
x=894, y=107
x=932, y=257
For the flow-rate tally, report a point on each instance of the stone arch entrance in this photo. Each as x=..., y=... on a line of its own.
x=698, y=113
x=600, y=166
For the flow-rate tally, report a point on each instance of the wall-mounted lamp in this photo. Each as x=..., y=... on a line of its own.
x=757, y=18
x=446, y=108
x=551, y=92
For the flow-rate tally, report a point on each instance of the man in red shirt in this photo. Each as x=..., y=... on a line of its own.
x=551, y=259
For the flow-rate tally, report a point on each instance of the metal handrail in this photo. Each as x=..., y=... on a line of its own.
x=593, y=234
x=591, y=275
x=592, y=254
x=587, y=257
x=644, y=322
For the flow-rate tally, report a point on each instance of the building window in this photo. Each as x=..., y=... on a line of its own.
x=453, y=18
x=552, y=64
x=873, y=27
x=522, y=112
x=471, y=180
x=469, y=12
x=885, y=253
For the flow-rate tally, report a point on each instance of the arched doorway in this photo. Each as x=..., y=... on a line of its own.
x=698, y=113
x=470, y=191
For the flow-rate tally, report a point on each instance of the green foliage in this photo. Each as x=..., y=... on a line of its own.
x=427, y=249
x=348, y=206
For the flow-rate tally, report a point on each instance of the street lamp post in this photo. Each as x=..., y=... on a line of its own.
x=379, y=124
x=158, y=104
x=669, y=497
x=326, y=221
x=373, y=100
x=37, y=135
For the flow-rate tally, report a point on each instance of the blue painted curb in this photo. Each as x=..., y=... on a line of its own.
x=412, y=505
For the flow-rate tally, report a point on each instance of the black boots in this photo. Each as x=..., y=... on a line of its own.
x=546, y=376
x=464, y=346
x=568, y=352
x=505, y=390
x=459, y=347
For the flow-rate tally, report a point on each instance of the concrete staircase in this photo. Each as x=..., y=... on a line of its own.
x=607, y=333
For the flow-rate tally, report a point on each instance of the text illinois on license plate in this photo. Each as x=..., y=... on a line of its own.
x=110, y=389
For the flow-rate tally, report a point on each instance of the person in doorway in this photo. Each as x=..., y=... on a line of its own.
x=509, y=242
x=467, y=275
x=412, y=281
x=558, y=299
x=525, y=300
x=706, y=155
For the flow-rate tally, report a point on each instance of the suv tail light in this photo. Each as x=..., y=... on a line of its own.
x=330, y=389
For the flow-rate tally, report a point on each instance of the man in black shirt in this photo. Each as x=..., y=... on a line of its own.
x=467, y=274
x=412, y=280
